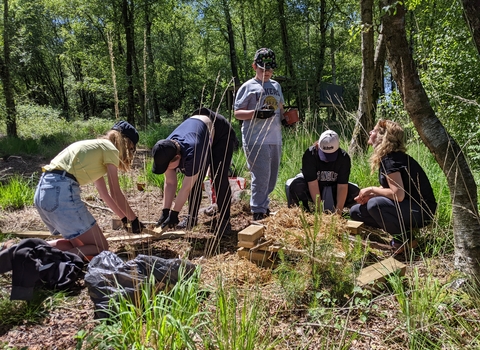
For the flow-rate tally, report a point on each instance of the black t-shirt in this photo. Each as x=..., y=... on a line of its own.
x=327, y=173
x=416, y=183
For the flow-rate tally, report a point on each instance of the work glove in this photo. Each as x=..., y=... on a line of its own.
x=165, y=213
x=172, y=220
x=137, y=226
x=264, y=113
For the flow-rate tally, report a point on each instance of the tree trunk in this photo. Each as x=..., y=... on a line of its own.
x=365, y=115
x=153, y=98
x=231, y=42
x=379, y=65
x=288, y=54
x=10, y=107
x=127, y=14
x=285, y=42
x=448, y=154
x=472, y=16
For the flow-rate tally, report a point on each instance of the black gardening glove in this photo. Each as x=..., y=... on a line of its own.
x=172, y=220
x=125, y=223
x=265, y=113
x=137, y=226
x=165, y=213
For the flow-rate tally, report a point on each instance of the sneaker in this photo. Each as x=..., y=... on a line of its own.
x=259, y=216
x=187, y=223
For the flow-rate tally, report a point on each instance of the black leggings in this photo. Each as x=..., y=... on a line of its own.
x=396, y=218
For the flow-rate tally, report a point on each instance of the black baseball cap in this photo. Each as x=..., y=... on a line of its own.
x=128, y=130
x=163, y=152
x=265, y=58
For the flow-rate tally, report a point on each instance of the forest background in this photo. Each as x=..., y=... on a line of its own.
x=153, y=59
x=153, y=62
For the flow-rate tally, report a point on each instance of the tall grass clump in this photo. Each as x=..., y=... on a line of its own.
x=17, y=193
x=16, y=312
x=239, y=322
x=156, y=132
x=324, y=275
x=432, y=312
x=155, y=320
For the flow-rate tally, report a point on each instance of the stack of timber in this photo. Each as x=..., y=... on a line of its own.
x=253, y=246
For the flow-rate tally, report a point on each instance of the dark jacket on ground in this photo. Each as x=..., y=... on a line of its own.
x=34, y=262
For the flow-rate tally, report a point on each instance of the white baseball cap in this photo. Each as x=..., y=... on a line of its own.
x=328, y=145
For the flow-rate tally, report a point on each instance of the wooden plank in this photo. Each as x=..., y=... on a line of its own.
x=252, y=233
x=260, y=257
x=247, y=244
x=159, y=233
x=134, y=237
x=376, y=273
x=262, y=245
x=354, y=226
x=33, y=234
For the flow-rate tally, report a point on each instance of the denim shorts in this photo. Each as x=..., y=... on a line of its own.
x=57, y=199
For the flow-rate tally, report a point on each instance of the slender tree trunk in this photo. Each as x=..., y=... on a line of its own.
x=291, y=74
x=471, y=9
x=285, y=42
x=332, y=56
x=247, y=67
x=379, y=65
x=114, y=76
x=153, y=98
x=127, y=14
x=6, y=76
x=448, y=154
x=231, y=42
x=365, y=115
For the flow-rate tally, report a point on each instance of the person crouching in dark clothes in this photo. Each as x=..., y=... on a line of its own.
x=204, y=140
x=324, y=178
x=405, y=199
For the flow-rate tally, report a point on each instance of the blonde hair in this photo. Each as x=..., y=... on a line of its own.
x=125, y=147
x=390, y=138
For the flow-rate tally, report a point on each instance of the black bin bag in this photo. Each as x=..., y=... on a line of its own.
x=108, y=277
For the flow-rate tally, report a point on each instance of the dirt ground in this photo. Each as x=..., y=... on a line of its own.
x=57, y=328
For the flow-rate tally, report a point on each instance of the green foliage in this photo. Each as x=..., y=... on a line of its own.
x=42, y=131
x=156, y=319
x=237, y=322
x=17, y=193
x=421, y=300
x=15, y=312
x=323, y=277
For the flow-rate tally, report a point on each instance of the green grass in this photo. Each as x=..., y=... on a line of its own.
x=17, y=312
x=156, y=320
x=17, y=193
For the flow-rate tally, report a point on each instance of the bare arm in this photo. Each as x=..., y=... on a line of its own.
x=169, y=188
x=244, y=114
x=314, y=190
x=394, y=192
x=182, y=196
x=342, y=191
x=113, y=196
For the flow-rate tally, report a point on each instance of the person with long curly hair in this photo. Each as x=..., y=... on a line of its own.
x=405, y=199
